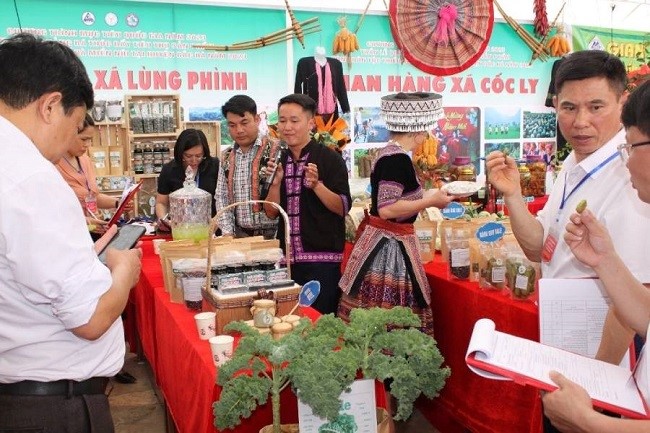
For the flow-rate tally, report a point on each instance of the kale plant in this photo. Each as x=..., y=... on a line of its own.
x=321, y=361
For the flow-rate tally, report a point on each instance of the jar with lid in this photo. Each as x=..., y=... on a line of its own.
x=524, y=179
x=189, y=210
x=537, y=168
x=462, y=169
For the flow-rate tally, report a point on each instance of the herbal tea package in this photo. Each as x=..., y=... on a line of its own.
x=492, y=266
x=521, y=276
x=426, y=233
x=492, y=255
x=458, y=256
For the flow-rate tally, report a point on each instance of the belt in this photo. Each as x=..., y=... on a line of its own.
x=69, y=388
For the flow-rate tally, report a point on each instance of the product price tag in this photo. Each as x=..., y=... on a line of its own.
x=490, y=232
x=454, y=210
x=309, y=293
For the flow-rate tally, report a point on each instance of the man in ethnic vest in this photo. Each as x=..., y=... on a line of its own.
x=242, y=174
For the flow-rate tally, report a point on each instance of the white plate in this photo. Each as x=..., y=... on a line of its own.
x=461, y=188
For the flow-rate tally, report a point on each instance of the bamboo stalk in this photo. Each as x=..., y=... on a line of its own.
x=528, y=39
x=270, y=39
x=363, y=16
x=295, y=25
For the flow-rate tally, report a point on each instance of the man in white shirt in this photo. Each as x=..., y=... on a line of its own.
x=570, y=407
x=590, y=95
x=61, y=335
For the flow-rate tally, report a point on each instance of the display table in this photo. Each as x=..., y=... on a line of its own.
x=468, y=401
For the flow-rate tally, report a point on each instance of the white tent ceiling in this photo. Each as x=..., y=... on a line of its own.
x=619, y=14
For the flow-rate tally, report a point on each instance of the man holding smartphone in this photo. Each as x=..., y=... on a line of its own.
x=61, y=336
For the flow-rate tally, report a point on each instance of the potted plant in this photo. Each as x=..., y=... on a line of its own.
x=320, y=361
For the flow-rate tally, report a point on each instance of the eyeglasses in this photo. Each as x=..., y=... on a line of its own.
x=625, y=149
x=188, y=158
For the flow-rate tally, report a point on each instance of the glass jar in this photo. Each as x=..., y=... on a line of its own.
x=462, y=166
x=537, y=168
x=189, y=210
x=524, y=180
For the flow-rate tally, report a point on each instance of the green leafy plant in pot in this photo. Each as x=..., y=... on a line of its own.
x=320, y=361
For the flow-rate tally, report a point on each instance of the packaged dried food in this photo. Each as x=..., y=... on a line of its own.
x=459, y=259
x=521, y=277
x=493, y=266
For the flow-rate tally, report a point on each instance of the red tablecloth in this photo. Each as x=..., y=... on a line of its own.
x=469, y=401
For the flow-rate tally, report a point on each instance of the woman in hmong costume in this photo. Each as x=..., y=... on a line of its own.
x=384, y=269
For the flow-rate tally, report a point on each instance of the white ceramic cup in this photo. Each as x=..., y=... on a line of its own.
x=222, y=347
x=205, y=324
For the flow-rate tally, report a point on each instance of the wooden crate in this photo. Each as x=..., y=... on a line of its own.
x=212, y=131
x=231, y=308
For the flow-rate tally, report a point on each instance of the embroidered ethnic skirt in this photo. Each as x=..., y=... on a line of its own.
x=384, y=270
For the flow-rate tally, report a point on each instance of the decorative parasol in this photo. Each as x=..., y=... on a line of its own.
x=441, y=37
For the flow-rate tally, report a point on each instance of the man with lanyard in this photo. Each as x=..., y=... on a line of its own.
x=61, y=335
x=240, y=176
x=590, y=89
x=311, y=184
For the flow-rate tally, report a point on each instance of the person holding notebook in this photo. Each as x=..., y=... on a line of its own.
x=569, y=408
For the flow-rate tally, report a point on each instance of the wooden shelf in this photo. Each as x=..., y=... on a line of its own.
x=156, y=135
x=110, y=123
x=146, y=176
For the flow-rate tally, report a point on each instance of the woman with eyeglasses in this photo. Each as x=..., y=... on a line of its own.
x=191, y=150
x=78, y=171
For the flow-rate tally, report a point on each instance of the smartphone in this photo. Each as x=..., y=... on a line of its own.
x=125, y=238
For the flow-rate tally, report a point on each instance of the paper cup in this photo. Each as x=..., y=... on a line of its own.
x=222, y=347
x=205, y=324
x=156, y=245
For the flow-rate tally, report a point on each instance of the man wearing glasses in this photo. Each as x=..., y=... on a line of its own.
x=190, y=151
x=590, y=95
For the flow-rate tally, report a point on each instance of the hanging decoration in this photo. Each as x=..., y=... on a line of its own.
x=558, y=45
x=541, y=18
x=441, y=37
x=345, y=42
x=297, y=30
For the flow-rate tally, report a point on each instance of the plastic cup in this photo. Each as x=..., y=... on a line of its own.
x=205, y=324
x=222, y=348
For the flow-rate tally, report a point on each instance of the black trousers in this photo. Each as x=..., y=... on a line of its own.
x=328, y=274
x=55, y=414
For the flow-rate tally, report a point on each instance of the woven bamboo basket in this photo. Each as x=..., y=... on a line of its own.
x=230, y=308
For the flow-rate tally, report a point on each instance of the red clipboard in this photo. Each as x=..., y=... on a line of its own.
x=120, y=209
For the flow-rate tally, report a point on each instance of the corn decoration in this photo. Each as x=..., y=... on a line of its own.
x=424, y=155
x=345, y=41
x=558, y=45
